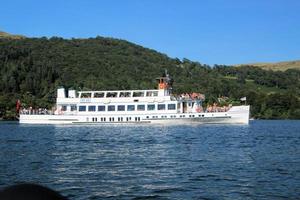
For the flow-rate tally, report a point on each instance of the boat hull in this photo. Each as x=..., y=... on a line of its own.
x=236, y=115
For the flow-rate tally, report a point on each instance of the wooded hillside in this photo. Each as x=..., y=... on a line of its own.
x=31, y=69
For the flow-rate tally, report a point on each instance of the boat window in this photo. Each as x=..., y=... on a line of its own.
x=92, y=108
x=82, y=108
x=111, y=94
x=152, y=94
x=151, y=107
x=73, y=107
x=111, y=108
x=140, y=107
x=161, y=107
x=111, y=119
x=121, y=108
x=99, y=95
x=86, y=95
x=130, y=108
x=138, y=94
x=125, y=94
x=101, y=108
x=171, y=106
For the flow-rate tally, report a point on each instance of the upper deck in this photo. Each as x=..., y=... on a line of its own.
x=162, y=94
x=113, y=96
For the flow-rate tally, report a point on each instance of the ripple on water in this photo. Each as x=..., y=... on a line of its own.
x=259, y=161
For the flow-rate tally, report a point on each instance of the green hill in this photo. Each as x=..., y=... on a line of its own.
x=279, y=66
x=31, y=69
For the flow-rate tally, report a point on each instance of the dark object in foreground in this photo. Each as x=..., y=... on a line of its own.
x=29, y=192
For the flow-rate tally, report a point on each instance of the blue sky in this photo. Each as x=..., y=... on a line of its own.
x=207, y=31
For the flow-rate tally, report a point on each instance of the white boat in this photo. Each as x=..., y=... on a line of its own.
x=158, y=106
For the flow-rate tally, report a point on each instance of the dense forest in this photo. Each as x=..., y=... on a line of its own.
x=31, y=69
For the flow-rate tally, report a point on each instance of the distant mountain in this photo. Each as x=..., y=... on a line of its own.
x=279, y=66
x=10, y=36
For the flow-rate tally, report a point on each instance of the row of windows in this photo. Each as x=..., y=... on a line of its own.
x=112, y=119
x=121, y=119
x=104, y=108
x=119, y=94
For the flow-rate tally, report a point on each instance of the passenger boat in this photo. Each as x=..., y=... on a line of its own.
x=158, y=106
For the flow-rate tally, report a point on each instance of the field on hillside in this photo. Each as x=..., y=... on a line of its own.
x=10, y=36
x=280, y=66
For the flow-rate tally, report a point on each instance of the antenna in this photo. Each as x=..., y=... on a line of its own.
x=167, y=76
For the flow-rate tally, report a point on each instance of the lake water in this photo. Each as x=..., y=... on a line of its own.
x=257, y=161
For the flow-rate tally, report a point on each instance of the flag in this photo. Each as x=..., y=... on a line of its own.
x=18, y=105
x=243, y=98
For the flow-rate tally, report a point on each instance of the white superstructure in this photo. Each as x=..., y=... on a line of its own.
x=133, y=106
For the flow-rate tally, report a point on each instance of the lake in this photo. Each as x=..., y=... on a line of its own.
x=256, y=161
